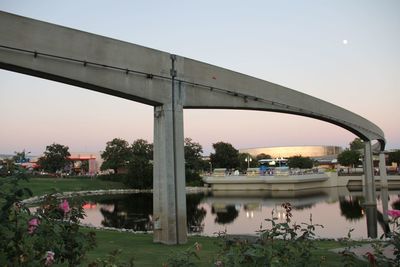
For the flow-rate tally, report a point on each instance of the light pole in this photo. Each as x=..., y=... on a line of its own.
x=248, y=159
x=210, y=167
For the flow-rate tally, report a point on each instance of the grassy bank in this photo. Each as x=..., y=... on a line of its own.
x=41, y=186
x=147, y=253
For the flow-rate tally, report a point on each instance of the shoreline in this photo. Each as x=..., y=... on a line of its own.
x=69, y=194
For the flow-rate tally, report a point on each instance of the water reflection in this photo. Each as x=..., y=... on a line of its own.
x=243, y=212
x=350, y=207
x=195, y=213
x=225, y=214
x=134, y=211
x=130, y=211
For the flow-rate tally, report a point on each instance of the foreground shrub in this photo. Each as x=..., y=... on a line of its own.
x=393, y=241
x=111, y=260
x=283, y=244
x=185, y=258
x=116, y=177
x=44, y=237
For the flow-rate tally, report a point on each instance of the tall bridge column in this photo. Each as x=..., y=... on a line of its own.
x=169, y=197
x=382, y=169
x=369, y=181
x=369, y=193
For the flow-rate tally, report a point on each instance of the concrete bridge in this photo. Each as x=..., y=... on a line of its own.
x=168, y=82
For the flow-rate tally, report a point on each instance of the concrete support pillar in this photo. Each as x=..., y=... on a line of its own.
x=372, y=221
x=369, y=182
x=382, y=170
x=385, y=203
x=169, y=197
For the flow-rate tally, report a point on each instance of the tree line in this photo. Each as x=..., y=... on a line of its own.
x=352, y=156
x=133, y=163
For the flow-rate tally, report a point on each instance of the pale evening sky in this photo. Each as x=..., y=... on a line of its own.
x=345, y=52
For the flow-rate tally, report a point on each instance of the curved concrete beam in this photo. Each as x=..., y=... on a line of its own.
x=142, y=74
x=208, y=86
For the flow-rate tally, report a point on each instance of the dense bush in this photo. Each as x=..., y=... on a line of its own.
x=138, y=177
x=300, y=162
x=193, y=178
x=49, y=235
x=140, y=173
x=117, y=177
x=185, y=258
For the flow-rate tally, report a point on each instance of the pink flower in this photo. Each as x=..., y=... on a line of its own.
x=394, y=213
x=64, y=206
x=371, y=258
x=32, y=225
x=49, y=258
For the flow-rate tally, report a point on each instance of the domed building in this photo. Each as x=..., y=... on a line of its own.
x=290, y=151
x=323, y=154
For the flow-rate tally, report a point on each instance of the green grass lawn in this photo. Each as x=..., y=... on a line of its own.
x=41, y=186
x=147, y=253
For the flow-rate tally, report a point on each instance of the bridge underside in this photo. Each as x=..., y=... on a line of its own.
x=168, y=82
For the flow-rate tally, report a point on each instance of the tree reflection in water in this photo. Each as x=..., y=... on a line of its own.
x=130, y=211
x=134, y=212
x=195, y=215
x=396, y=203
x=225, y=215
x=350, y=208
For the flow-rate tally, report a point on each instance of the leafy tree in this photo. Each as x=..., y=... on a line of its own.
x=140, y=173
x=141, y=148
x=394, y=157
x=349, y=157
x=300, y=162
x=263, y=156
x=243, y=164
x=7, y=167
x=193, y=157
x=140, y=170
x=225, y=156
x=55, y=158
x=357, y=144
x=193, y=162
x=116, y=154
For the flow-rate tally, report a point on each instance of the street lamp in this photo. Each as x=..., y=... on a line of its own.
x=210, y=167
x=248, y=159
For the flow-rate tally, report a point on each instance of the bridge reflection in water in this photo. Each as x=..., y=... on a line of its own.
x=239, y=212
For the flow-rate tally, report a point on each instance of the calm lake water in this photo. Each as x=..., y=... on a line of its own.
x=337, y=209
